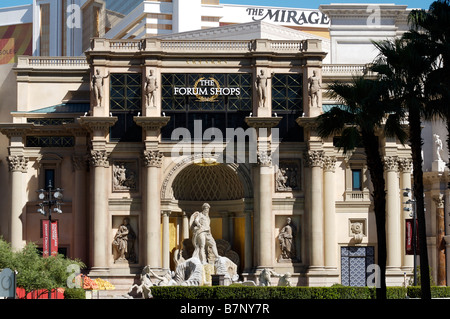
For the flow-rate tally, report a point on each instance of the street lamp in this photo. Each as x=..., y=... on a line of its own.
x=50, y=198
x=408, y=193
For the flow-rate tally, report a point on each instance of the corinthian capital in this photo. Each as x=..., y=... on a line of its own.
x=264, y=158
x=329, y=163
x=390, y=163
x=404, y=164
x=99, y=158
x=315, y=158
x=18, y=163
x=153, y=158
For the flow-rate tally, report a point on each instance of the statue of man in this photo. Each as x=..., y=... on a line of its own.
x=261, y=86
x=438, y=144
x=97, y=86
x=202, y=238
x=314, y=87
x=151, y=85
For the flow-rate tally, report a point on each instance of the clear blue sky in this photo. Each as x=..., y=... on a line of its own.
x=307, y=4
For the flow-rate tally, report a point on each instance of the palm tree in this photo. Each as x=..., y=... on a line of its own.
x=433, y=27
x=363, y=113
x=403, y=64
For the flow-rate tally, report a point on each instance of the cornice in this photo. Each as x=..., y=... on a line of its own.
x=94, y=123
x=262, y=122
x=151, y=123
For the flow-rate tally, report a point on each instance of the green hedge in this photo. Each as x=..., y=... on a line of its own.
x=244, y=292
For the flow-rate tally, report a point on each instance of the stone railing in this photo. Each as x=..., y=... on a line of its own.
x=345, y=69
x=53, y=62
x=190, y=46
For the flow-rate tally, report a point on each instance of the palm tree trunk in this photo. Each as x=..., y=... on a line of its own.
x=375, y=166
x=416, y=153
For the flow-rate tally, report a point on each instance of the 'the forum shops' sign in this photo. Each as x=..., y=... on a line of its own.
x=207, y=90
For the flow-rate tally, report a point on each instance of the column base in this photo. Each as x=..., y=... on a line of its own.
x=320, y=276
x=99, y=271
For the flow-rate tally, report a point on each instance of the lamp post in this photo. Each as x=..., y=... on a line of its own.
x=50, y=198
x=408, y=193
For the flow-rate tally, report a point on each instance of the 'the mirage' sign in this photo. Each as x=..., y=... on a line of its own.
x=295, y=17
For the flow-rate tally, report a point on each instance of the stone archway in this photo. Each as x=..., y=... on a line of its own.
x=190, y=183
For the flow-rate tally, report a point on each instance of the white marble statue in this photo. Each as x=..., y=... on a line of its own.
x=202, y=238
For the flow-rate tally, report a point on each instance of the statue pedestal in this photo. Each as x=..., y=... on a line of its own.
x=208, y=271
x=438, y=166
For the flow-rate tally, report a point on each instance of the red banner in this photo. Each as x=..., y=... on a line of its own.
x=49, y=238
x=54, y=238
x=409, y=237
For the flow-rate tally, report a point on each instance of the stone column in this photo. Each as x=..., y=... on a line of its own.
x=152, y=216
x=315, y=161
x=265, y=225
x=329, y=165
x=184, y=227
x=263, y=188
x=17, y=166
x=101, y=238
x=440, y=241
x=405, y=166
x=166, y=240
x=79, y=163
x=393, y=214
x=248, y=243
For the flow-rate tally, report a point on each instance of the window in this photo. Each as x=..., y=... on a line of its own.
x=125, y=103
x=287, y=97
x=222, y=111
x=356, y=179
x=49, y=176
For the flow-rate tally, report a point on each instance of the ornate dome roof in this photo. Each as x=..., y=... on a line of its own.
x=207, y=183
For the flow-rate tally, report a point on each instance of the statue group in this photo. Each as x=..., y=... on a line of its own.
x=200, y=258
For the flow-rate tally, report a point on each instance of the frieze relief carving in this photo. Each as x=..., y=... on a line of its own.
x=288, y=176
x=125, y=176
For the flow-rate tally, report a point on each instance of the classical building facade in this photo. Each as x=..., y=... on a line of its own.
x=141, y=132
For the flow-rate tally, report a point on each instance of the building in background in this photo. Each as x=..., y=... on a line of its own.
x=115, y=155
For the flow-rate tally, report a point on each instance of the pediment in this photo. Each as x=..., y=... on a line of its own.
x=244, y=31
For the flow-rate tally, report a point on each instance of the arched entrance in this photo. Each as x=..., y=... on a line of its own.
x=227, y=188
